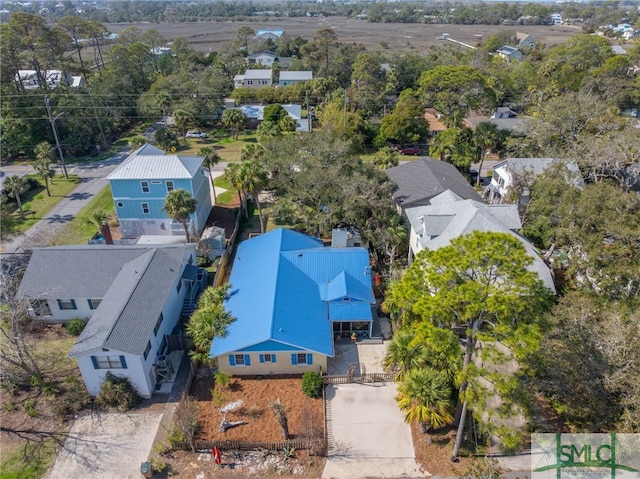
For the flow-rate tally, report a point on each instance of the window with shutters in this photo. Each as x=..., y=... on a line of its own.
x=302, y=358
x=94, y=303
x=109, y=362
x=67, y=304
x=239, y=359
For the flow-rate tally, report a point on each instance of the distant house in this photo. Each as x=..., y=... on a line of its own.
x=509, y=53
x=556, y=19
x=525, y=40
x=449, y=216
x=523, y=170
x=253, y=79
x=505, y=118
x=255, y=115
x=436, y=122
x=29, y=79
x=291, y=297
x=133, y=297
x=140, y=185
x=417, y=182
x=291, y=77
x=269, y=34
x=267, y=59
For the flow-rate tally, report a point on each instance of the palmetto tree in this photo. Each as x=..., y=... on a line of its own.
x=404, y=353
x=180, y=205
x=234, y=119
x=232, y=175
x=253, y=178
x=181, y=119
x=211, y=159
x=208, y=321
x=15, y=186
x=137, y=141
x=44, y=155
x=486, y=136
x=424, y=397
x=163, y=100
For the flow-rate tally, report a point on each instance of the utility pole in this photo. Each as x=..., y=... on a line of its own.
x=306, y=94
x=55, y=134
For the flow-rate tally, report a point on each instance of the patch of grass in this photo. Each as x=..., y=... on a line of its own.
x=80, y=229
x=27, y=461
x=53, y=356
x=226, y=197
x=40, y=204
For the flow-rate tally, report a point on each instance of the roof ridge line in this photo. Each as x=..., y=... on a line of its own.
x=154, y=251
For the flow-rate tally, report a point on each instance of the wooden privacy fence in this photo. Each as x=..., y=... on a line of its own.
x=365, y=378
x=316, y=445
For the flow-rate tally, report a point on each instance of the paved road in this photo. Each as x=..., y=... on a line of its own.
x=92, y=177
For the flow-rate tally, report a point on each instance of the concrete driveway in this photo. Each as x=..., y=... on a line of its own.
x=368, y=437
x=106, y=446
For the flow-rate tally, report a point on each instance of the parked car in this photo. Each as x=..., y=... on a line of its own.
x=196, y=134
x=410, y=150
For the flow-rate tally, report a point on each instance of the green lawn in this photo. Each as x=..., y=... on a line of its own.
x=36, y=204
x=80, y=229
x=14, y=466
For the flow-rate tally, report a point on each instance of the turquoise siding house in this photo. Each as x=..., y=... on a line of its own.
x=140, y=185
x=291, y=298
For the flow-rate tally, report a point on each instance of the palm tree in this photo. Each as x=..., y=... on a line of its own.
x=403, y=353
x=208, y=321
x=180, y=205
x=44, y=154
x=232, y=175
x=385, y=158
x=486, y=136
x=424, y=397
x=163, y=100
x=137, y=141
x=253, y=177
x=234, y=119
x=181, y=118
x=15, y=186
x=211, y=159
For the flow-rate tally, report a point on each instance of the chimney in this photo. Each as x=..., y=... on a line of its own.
x=106, y=232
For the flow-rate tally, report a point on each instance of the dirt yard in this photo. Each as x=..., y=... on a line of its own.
x=305, y=418
x=212, y=36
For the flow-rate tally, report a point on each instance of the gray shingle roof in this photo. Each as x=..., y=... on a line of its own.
x=445, y=221
x=85, y=271
x=132, y=306
x=420, y=180
x=134, y=283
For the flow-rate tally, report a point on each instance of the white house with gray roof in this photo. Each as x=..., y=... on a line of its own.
x=133, y=297
x=523, y=171
x=450, y=216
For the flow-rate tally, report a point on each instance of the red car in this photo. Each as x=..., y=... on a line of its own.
x=410, y=150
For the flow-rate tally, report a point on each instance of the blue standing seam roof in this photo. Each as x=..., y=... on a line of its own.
x=278, y=291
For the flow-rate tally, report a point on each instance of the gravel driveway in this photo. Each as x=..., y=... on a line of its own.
x=106, y=446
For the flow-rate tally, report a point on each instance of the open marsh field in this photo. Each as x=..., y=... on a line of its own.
x=399, y=37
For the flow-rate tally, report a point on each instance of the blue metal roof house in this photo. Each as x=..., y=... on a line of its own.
x=291, y=297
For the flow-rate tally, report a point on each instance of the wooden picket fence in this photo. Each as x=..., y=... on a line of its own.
x=228, y=445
